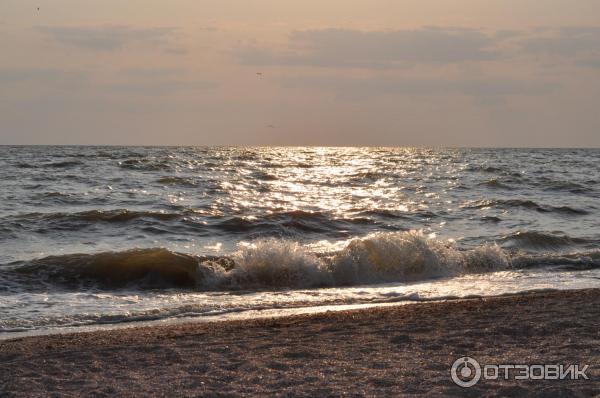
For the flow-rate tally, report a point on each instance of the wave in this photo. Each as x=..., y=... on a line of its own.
x=410, y=256
x=494, y=183
x=547, y=183
x=571, y=187
x=563, y=262
x=485, y=169
x=297, y=220
x=566, y=210
x=382, y=257
x=491, y=219
x=91, y=216
x=369, y=176
x=147, y=268
x=64, y=164
x=56, y=165
x=540, y=240
x=62, y=198
x=263, y=176
x=145, y=164
x=270, y=263
x=178, y=181
x=398, y=214
x=282, y=223
x=385, y=213
x=522, y=203
x=22, y=165
x=493, y=170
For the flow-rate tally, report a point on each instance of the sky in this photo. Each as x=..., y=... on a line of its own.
x=507, y=73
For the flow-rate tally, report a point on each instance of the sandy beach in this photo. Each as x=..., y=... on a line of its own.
x=393, y=351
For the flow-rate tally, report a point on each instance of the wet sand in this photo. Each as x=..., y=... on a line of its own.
x=390, y=351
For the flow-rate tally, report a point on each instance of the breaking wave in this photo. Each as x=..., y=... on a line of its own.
x=113, y=270
x=265, y=264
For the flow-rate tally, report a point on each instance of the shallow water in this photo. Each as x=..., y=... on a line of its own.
x=96, y=235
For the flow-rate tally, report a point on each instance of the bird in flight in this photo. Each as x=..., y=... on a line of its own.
x=259, y=73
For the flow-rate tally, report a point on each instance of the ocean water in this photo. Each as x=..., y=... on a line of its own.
x=107, y=235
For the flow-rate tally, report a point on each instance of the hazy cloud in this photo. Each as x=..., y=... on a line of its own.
x=342, y=48
x=488, y=90
x=159, y=87
x=157, y=81
x=566, y=41
x=176, y=51
x=127, y=83
x=355, y=48
x=590, y=63
x=152, y=73
x=104, y=38
x=41, y=76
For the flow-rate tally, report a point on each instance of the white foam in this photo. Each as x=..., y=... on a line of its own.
x=410, y=256
x=279, y=263
x=379, y=257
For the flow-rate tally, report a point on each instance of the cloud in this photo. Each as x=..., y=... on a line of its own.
x=156, y=81
x=434, y=46
x=565, y=42
x=157, y=88
x=105, y=38
x=176, y=51
x=487, y=90
x=151, y=73
x=589, y=63
x=376, y=49
x=125, y=84
x=41, y=76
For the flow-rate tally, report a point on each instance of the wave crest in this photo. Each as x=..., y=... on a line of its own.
x=91, y=216
x=270, y=263
x=377, y=258
x=148, y=268
x=540, y=240
x=524, y=204
x=410, y=256
x=277, y=263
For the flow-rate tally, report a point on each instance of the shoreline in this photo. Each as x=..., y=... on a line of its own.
x=249, y=315
x=387, y=350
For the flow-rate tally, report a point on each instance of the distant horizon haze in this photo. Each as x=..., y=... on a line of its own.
x=372, y=73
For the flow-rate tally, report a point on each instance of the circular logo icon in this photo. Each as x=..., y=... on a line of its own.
x=465, y=372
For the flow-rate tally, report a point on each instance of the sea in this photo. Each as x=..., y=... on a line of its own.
x=95, y=237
